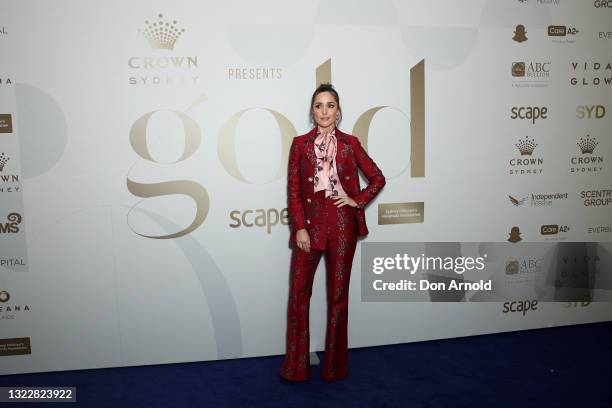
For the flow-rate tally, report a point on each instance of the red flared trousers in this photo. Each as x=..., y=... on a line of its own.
x=338, y=245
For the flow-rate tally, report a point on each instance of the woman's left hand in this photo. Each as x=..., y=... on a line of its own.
x=346, y=200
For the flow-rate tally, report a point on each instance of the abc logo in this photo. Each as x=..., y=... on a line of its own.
x=512, y=268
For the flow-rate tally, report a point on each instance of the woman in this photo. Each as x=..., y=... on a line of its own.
x=326, y=212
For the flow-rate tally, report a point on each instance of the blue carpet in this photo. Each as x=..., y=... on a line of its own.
x=555, y=367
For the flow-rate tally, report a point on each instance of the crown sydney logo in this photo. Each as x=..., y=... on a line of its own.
x=526, y=146
x=588, y=162
x=162, y=35
x=3, y=160
x=529, y=165
x=9, y=183
x=587, y=145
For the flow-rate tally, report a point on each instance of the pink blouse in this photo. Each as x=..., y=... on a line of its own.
x=326, y=173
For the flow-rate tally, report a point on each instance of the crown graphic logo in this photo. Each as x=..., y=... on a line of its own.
x=3, y=160
x=526, y=146
x=588, y=145
x=161, y=34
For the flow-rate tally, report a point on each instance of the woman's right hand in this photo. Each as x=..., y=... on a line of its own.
x=302, y=240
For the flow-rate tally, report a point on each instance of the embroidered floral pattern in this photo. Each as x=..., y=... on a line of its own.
x=326, y=173
x=333, y=231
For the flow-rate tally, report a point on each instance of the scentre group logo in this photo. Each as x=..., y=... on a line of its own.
x=596, y=198
x=162, y=67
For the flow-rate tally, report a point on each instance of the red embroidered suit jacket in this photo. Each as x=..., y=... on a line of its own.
x=350, y=156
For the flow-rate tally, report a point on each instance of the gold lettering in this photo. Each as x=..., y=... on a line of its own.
x=227, y=142
x=193, y=137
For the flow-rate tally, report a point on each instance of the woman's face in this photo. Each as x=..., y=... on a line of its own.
x=325, y=110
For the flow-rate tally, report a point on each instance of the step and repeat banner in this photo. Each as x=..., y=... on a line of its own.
x=143, y=164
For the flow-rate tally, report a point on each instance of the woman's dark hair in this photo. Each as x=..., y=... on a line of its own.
x=325, y=88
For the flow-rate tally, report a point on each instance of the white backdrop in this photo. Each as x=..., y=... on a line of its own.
x=88, y=289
